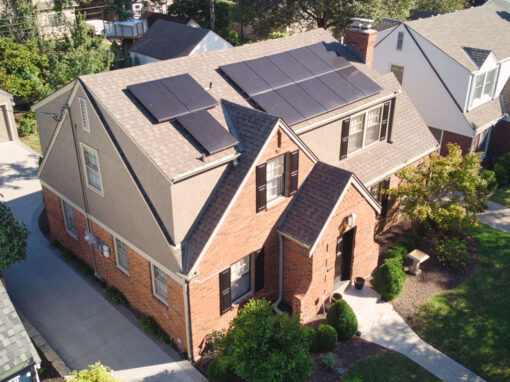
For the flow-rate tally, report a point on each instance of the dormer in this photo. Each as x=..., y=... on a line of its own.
x=484, y=79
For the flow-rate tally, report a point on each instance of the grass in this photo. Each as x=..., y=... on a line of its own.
x=501, y=195
x=32, y=141
x=471, y=324
x=388, y=367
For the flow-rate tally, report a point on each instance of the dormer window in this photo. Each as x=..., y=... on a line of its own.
x=483, y=87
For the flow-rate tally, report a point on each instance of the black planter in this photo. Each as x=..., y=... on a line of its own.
x=336, y=297
x=359, y=282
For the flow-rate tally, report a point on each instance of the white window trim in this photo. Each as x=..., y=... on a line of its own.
x=363, y=146
x=153, y=279
x=280, y=195
x=85, y=121
x=484, y=97
x=126, y=271
x=83, y=145
x=250, y=292
x=73, y=234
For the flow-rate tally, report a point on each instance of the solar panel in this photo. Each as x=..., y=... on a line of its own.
x=358, y=79
x=330, y=57
x=301, y=101
x=171, y=97
x=269, y=72
x=310, y=61
x=245, y=78
x=273, y=103
x=290, y=66
x=341, y=87
x=207, y=131
x=322, y=94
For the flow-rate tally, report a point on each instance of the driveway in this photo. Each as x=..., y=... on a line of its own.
x=73, y=317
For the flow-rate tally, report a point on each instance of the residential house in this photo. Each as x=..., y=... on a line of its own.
x=8, y=130
x=152, y=17
x=195, y=183
x=166, y=39
x=453, y=67
x=19, y=360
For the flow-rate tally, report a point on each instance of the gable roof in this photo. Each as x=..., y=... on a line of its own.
x=477, y=55
x=167, y=39
x=152, y=17
x=419, y=14
x=17, y=351
x=485, y=27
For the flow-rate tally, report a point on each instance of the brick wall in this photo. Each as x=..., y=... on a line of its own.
x=243, y=232
x=137, y=286
x=499, y=143
x=449, y=137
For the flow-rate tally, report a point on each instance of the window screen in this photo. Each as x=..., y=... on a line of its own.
x=240, y=278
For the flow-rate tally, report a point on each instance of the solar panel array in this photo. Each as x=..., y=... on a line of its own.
x=171, y=97
x=302, y=83
x=207, y=131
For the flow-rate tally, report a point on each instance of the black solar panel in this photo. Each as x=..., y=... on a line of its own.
x=322, y=94
x=269, y=72
x=341, y=87
x=358, y=79
x=311, y=61
x=171, y=97
x=301, y=101
x=207, y=131
x=273, y=103
x=290, y=66
x=330, y=57
x=245, y=78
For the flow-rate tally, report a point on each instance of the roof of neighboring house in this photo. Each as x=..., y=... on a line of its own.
x=167, y=39
x=315, y=202
x=152, y=17
x=419, y=14
x=484, y=27
x=486, y=114
x=17, y=351
x=386, y=23
x=477, y=55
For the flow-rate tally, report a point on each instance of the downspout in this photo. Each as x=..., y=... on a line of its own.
x=280, y=275
x=85, y=201
x=187, y=318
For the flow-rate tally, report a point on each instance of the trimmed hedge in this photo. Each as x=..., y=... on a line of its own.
x=341, y=317
x=397, y=252
x=325, y=338
x=309, y=335
x=389, y=279
x=219, y=370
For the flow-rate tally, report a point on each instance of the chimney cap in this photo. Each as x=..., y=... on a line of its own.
x=361, y=23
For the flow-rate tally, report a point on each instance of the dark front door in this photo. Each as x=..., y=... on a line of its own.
x=344, y=250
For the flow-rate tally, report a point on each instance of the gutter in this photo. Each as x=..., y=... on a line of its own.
x=187, y=319
x=280, y=275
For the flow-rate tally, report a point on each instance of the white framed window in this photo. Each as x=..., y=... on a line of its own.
x=364, y=129
x=483, y=140
x=275, y=171
x=483, y=87
x=84, y=114
x=69, y=219
x=92, y=171
x=240, y=278
x=122, y=259
x=159, y=284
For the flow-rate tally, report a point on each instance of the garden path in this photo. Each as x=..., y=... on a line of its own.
x=497, y=216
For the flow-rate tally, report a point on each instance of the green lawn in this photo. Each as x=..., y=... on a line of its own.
x=471, y=324
x=502, y=196
x=32, y=141
x=388, y=367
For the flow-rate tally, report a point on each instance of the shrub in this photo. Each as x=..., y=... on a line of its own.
x=150, y=325
x=490, y=177
x=501, y=173
x=410, y=241
x=13, y=238
x=95, y=373
x=309, y=335
x=503, y=164
x=389, y=279
x=325, y=338
x=452, y=251
x=219, y=370
x=27, y=124
x=341, y=317
x=328, y=360
x=397, y=252
x=115, y=296
x=425, y=227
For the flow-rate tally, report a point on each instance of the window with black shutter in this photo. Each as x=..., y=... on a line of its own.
x=261, y=187
x=259, y=271
x=293, y=172
x=344, y=141
x=225, y=294
x=385, y=120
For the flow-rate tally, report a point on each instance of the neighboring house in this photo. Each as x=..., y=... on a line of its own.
x=19, y=360
x=8, y=131
x=167, y=39
x=128, y=30
x=152, y=17
x=453, y=67
x=138, y=7
x=196, y=183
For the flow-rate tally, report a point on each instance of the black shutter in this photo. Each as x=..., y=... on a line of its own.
x=261, y=187
x=293, y=172
x=225, y=297
x=385, y=120
x=344, y=141
x=259, y=271
x=385, y=185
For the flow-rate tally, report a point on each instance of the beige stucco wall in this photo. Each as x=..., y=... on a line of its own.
x=324, y=141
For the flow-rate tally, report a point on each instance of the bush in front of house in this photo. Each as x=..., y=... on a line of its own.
x=325, y=338
x=95, y=373
x=490, y=177
x=502, y=169
x=341, y=317
x=263, y=346
x=220, y=370
x=115, y=296
x=410, y=241
x=309, y=335
x=389, y=279
x=328, y=360
x=397, y=252
x=452, y=251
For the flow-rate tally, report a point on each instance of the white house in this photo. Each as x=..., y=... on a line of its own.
x=453, y=67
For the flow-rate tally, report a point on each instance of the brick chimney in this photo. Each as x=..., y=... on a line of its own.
x=361, y=37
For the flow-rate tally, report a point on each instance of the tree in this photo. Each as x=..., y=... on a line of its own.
x=13, y=238
x=18, y=19
x=441, y=6
x=448, y=190
x=95, y=373
x=262, y=346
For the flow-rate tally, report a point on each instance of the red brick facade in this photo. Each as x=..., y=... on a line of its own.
x=449, y=137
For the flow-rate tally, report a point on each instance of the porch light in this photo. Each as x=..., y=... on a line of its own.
x=351, y=220
x=106, y=251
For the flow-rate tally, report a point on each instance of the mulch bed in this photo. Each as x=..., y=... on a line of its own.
x=434, y=278
x=47, y=373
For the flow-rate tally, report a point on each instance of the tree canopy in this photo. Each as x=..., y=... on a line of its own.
x=13, y=238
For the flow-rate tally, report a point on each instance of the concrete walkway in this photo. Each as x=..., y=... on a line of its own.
x=379, y=323
x=497, y=216
x=73, y=317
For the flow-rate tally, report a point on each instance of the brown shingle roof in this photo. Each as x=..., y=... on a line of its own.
x=315, y=202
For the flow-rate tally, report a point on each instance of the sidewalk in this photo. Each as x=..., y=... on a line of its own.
x=497, y=216
x=73, y=317
x=379, y=323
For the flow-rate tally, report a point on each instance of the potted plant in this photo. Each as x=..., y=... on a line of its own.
x=359, y=282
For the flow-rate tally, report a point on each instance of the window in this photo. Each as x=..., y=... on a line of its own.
x=69, y=218
x=240, y=279
x=382, y=198
x=92, y=168
x=483, y=138
x=122, y=259
x=490, y=78
x=274, y=177
x=356, y=133
x=159, y=284
x=84, y=115
x=364, y=129
x=483, y=86
x=400, y=40
x=398, y=71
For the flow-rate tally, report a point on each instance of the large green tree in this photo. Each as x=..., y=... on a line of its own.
x=448, y=190
x=13, y=238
